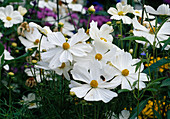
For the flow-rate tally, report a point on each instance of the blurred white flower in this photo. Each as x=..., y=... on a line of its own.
x=120, y=13
x=123, y=115
x=29, y=101
x=9, y=16
x=163, y=9
x=47, y=4
x=22, y=10
x=139, y=14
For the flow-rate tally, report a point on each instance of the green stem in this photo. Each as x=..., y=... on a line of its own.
x=88, y=22
x=10, y=98
x=121, y=32
x=82, y=111
x=138, y=88
x=135, y=53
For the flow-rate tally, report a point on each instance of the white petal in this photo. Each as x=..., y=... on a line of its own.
x=81, y=74
x=97, y=94
x=112, y=11
x=126, y=20
x=138, y=26
x=124, y=114
x=66, y=56
x=80, y=36
x=8, y=10
x=119, y=6
x=81, y=91
x=56, y=38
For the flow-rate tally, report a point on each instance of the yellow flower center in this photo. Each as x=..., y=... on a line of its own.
x=8, y=18
x=125, y=72
x=46, y=0
x=36, y=42
x=137, y=12
x=94, y=84
x=103, y=39
x=62, y=66
x=66, y=46
x=152, y=30
x=121, y=13
x=98, y=56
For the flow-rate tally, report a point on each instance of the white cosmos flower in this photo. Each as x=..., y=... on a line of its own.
x=29, y=101
x=94, y=88
x=7, y=56
x=9, y=16
x=33, y=38
x=148, y=33
x=63, y=69
x=121, y=67
x=125, y=114
x=163, y=9
x=102, y=37
x=47, y=4
x=65, y=50
x=120, y=13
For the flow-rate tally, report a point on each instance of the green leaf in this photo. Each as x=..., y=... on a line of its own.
x=165, y=83
x=135, y=38
x=153, y=83
x=15, y=1
x=123, y=90
x=166, y=43
x=154, y=66
x=1, y=49
x=157, y=114
x=141, y=106
x=152, y=89
x=168, y=114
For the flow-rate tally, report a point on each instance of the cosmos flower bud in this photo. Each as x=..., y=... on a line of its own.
x=131, y=51
x=60, y=24
x=91, y=9
x=14, y=44
x=11, y=74
x=34, y=61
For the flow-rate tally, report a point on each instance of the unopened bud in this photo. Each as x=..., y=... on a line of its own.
x=34, y=61
x=91, y=9
x=11, y=74
x=14, y=44
x=131, y=51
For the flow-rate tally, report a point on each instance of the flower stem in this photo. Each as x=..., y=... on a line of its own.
x=88, y=22
x=121, y=32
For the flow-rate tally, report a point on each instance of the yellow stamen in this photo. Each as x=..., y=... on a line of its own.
x=125, y=72
x=66, y=46
x=8, y=18
x=62, y=66
x=152, y=30
x=137, y=12
x=46, y=0
x=94, y=84
x=98, y=56
x=103, y=39
x=121, y=13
